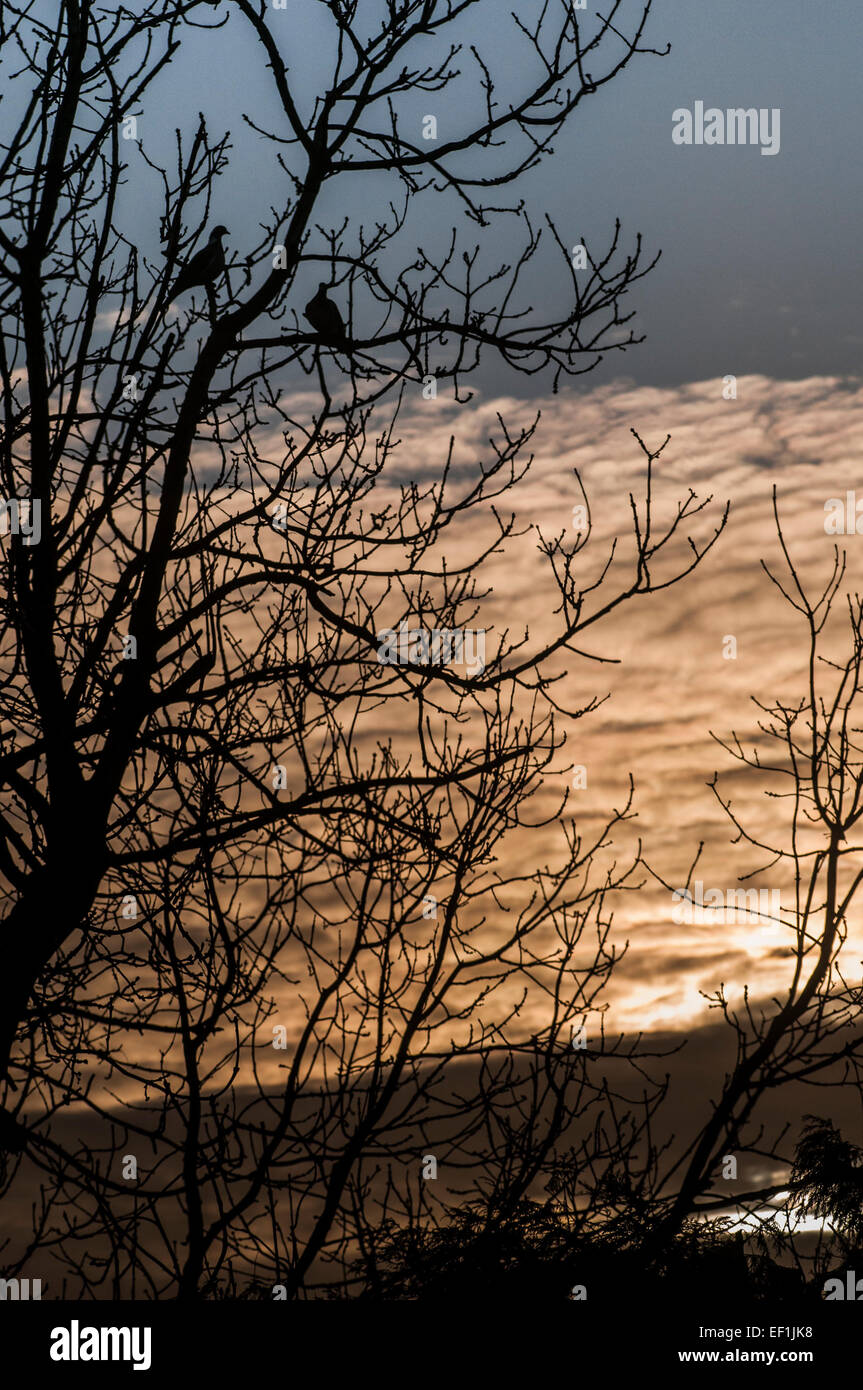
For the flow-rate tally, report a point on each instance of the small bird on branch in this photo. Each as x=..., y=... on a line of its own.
x=205, y=267
x=325, y=318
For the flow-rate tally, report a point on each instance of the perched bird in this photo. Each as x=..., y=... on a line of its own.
x=206, y=265
x=325, y=318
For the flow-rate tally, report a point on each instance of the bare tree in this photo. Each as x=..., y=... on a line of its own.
x=225, y=813
x=809, y=757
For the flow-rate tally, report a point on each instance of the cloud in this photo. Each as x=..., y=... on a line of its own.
x=673, y=684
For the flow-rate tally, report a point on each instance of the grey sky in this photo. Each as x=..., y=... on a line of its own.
x=759, y=271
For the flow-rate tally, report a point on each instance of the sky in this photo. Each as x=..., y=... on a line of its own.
x=759, y=277
x=673, y=678
x=759, y=265
x=671, y=689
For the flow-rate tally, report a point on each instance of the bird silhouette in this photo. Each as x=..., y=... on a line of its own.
x=325, y=318
x=205, y=267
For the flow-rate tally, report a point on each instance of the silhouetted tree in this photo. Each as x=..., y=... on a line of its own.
x=539, y=1252
x=224, y=815
x=827, y=1177
x=810, y=760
